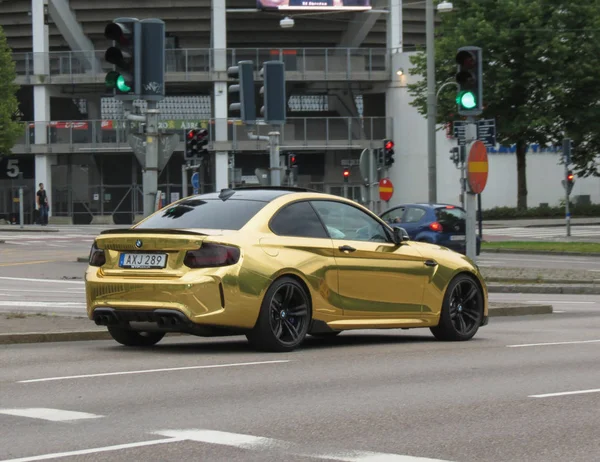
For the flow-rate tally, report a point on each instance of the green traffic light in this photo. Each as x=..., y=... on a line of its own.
x=467, y=100
x=115, y=80
x=122, y=85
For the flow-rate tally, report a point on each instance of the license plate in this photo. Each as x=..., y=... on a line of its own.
x=457, y=238
x=143, y=260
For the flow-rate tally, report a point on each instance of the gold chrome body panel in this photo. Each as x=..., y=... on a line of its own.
x=381, y=285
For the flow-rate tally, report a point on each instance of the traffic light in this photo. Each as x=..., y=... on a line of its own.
x=125, y=54
x=152, y=71
x=388, y=153
x=195, y=143
x=274, y=105
x=241, y=93
x=469, y=77
x=292, y=160
x=569, y=182
x=191, y=144
x=346, y=175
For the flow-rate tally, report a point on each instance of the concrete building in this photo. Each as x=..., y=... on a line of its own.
x=345, y=95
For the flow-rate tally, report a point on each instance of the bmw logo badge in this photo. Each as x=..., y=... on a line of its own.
x=138, y=243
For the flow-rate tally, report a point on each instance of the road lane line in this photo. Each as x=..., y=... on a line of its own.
x=37, y=262
x=56, y=304
x=566, y=393
x=258, y=443
x=54, y=415
x=81, y=452
x=553, y=343
x=147, y=371
x=51, y=281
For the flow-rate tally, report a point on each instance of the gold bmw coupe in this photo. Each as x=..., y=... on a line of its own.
x=276, y=264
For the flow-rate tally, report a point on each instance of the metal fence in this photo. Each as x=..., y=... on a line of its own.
x=199, y=63
x=297, y=133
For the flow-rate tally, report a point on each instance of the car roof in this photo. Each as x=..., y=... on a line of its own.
x=252, y=193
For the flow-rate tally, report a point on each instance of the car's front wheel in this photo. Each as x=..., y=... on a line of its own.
x=129, y=337
x=284, y=317
x=462, y=310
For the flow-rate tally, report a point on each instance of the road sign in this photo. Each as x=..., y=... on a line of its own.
x=196, y=182
x=364, y=164
x=477, y=167
x=386, y=189
x=167, y=144
x=486, y=132
x=459, y=127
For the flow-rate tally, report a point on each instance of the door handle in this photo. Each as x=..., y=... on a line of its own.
x=430, y=263
x=346, y=248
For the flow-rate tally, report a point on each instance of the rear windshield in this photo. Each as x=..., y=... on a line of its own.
x=208, y=214
x=451, y=216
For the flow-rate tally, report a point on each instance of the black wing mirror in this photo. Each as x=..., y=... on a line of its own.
x=400, y=235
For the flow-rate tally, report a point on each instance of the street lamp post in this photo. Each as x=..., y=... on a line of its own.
x=431, y=95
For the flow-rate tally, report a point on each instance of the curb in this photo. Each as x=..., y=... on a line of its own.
x=29, y=230
x=43, y=337
x=519, y=310
x=540, y=252
x=544, y=289
x=518, y=281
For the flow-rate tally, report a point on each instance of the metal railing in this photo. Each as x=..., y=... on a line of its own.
x=207, y=63
x=297, y=133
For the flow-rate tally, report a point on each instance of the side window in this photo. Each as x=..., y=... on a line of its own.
x=414, y=214
x=344, y=221
x=393, y=216
x=298, y=219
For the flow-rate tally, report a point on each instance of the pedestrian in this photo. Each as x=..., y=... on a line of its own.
x=43, y=205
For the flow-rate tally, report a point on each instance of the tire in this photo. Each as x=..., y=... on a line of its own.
x=133, y=338
x=284, y=318
x=462, y=310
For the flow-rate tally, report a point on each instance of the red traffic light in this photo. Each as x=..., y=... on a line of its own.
x=191, y=134
x=346, y=173
x=293, y=159
x=389, y=144
x=570, y=176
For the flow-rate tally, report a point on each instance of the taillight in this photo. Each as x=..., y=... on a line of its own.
x=97, y=257
x=212, y=255
x=435, y=226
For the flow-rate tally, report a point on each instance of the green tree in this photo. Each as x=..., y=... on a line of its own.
x=534, y=70
x=11, y=127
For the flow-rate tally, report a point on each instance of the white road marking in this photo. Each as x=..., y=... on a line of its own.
x=51, y=281
x=70, y=290
x=147, y=371
x=260, y=443
x=54, y=415
x=561, y=302
x=553, y=343
x=566, y=393
x=57, y=304
x=558, y=312
x=117, y=447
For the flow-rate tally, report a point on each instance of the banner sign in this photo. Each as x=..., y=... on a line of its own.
x=314, y=5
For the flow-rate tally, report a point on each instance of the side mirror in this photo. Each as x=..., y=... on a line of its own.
x=400, y=235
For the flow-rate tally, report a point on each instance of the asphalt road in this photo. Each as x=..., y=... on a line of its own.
x=387, y=395
x=586, y=233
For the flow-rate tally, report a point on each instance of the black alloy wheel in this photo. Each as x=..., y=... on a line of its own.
x=284, y=317
x=462, y=310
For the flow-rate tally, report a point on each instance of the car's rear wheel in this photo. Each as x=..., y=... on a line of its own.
x=462, y=310
x=129, y=337
x=284, y=317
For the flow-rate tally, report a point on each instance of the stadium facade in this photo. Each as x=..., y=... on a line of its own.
x=339, y=68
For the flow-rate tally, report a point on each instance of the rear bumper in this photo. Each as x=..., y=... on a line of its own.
x=215, y=299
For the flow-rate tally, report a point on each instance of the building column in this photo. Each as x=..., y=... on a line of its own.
x=220, y=110
x=41, y=95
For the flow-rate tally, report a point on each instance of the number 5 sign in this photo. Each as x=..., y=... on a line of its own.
x=16, y=167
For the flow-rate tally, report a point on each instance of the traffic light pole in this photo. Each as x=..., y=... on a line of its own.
x=470, y=199
x=150, y=175
x=567, y=210
x=275, y=167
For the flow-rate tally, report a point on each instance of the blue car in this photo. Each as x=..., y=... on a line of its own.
x=441, y=224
